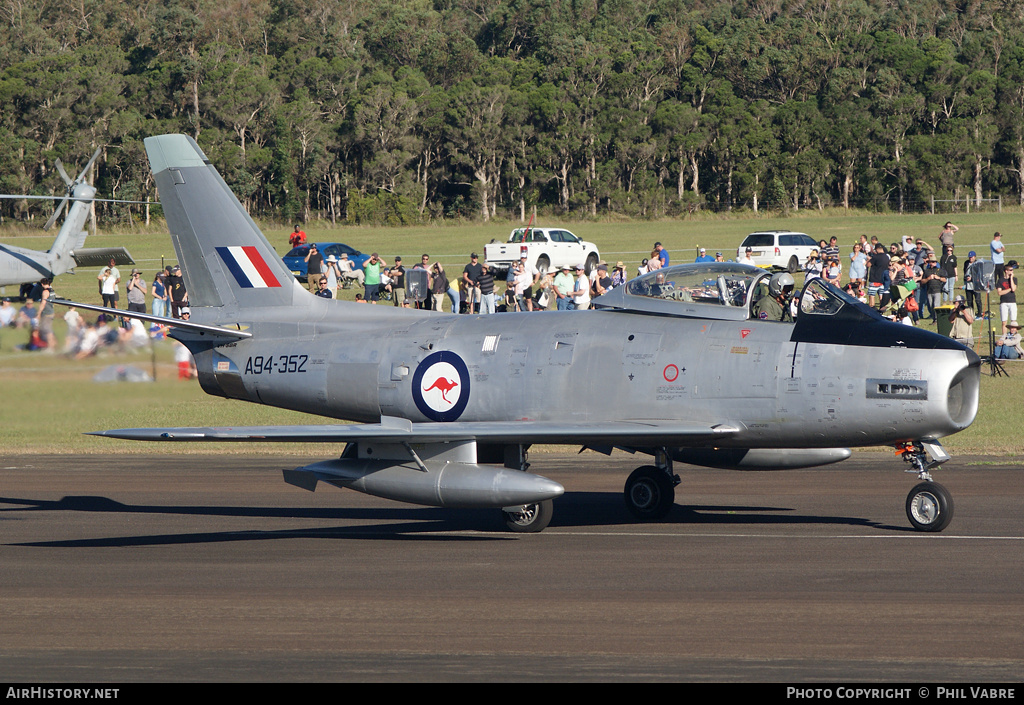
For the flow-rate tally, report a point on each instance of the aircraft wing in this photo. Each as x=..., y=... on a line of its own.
x=394, y=430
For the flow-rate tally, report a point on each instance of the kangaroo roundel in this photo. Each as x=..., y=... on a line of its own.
x=440, y=386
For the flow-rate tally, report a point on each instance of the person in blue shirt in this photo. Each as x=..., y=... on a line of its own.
x=662, y=254
x=704, y=256
x=998, y=250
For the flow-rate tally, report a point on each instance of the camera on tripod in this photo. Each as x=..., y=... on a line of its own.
x=983, y=275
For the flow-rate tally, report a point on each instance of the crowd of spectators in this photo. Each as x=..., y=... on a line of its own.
x=106, y=332
x=912, y=282
x=480, y=288
x=84, y=337
x=909, y=281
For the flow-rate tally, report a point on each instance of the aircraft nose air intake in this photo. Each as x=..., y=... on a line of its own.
x=962, y=397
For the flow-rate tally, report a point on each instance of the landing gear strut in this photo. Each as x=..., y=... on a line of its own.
x=929, y=504
x=650, y=491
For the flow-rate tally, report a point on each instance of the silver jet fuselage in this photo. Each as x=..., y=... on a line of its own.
x=683, y=363
x=819, y=383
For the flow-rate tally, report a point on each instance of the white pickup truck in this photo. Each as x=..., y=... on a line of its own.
x=544, y=248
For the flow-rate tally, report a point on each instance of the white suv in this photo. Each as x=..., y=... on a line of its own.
x=778, y=249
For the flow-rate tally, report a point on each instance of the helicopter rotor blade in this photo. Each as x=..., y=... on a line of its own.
x=88, y=165
x=19, y=197
x=56, y=214
x=64, y=174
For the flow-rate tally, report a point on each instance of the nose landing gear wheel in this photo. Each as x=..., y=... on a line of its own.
x=649, y=493
x=929, y=507
x=529, y=518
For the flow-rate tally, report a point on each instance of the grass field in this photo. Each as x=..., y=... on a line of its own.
x=47, y=401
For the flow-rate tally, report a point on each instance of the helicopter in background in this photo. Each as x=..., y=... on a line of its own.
x=23, y=266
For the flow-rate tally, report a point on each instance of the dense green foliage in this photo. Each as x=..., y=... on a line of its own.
x=395, y=111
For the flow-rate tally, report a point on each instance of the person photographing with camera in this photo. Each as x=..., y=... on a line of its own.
x=136, y=292
x=314, y=267
x=109, y=278
x=962, y=318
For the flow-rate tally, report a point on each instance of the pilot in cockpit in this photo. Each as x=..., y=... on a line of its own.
x=775, y=305
x=662, y=288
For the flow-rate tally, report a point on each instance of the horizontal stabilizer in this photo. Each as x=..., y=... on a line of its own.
x=217, y=334
x=390, y=430
x=100, y=256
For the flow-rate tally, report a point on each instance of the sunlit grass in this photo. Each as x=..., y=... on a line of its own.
x=50, y=401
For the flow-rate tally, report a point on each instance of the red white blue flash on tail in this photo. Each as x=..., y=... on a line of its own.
x=248, y=267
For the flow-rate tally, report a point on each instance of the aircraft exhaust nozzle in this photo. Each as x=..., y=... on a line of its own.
x=445, y=484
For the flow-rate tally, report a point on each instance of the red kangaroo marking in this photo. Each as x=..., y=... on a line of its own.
x=444, y=386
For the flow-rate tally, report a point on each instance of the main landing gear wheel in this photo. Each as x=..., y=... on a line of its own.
x=529, y=518
x=649, y=493
x=929, y=507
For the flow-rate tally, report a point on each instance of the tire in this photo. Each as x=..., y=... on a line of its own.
x=794, y=265
x=929, y=507
x=592, y=261
x=530, y=518
x=649, y=493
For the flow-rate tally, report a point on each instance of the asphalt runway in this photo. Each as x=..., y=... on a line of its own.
x=210, y=568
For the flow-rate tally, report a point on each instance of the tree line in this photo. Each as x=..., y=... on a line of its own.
x=401, y=111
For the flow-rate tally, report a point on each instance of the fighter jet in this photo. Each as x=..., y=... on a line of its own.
x=673, y=365
x=20, y=265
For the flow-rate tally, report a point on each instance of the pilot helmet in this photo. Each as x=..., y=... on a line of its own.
x=781, y=282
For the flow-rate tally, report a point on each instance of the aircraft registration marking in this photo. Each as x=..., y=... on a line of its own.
x=260, y=365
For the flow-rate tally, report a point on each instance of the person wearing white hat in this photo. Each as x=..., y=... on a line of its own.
x=564, y=285
x=333, y=274
x=1008, y=347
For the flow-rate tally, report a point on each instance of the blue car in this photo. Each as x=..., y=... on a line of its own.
x=295, y=260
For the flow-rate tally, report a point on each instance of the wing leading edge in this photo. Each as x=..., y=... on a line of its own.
x=394, y=430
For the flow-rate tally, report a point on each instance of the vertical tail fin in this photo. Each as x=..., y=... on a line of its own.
x=225, y=259
x=72, y=232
